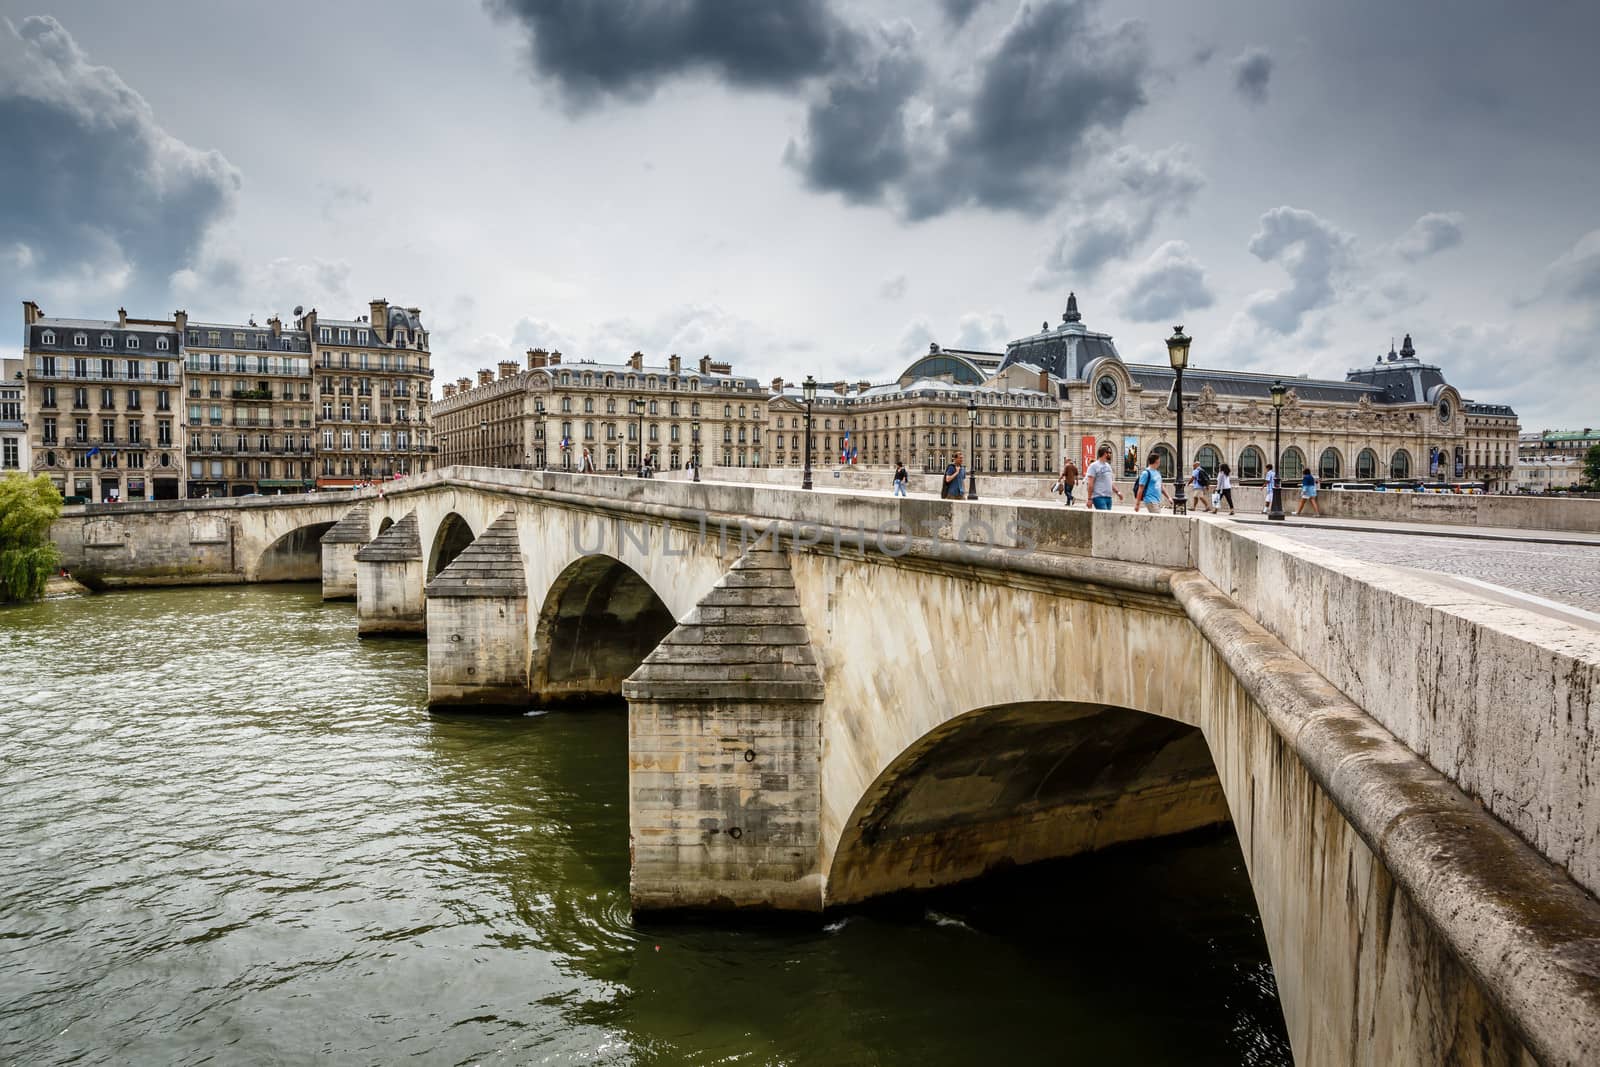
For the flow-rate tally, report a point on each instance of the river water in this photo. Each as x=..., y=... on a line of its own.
x=233, y=834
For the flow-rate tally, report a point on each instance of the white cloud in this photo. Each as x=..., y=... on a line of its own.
x=1166, y=286
x=1432, y=233
x=1312, y=251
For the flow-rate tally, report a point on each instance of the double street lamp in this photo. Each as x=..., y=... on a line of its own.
x=1178, y=354
x=808, y=389
x=1279, y=390
x=972, y=454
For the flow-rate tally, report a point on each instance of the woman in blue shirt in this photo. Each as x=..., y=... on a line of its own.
x=1308, y=493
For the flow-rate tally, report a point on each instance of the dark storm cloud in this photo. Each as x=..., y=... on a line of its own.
x=856, y=142
x=96, y=194
x=1251, y=72
x=959, y=11
x=626, y=48
x=1055, y=78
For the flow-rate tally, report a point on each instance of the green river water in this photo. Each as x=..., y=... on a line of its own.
x=233, y=834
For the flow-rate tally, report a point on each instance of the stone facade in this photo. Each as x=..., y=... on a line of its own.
x=549, y=414
x=389, y=587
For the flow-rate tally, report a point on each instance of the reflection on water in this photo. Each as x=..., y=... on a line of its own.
x=233, y=834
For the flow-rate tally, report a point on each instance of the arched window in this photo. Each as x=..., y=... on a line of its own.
x=81, y=340
x=131, y=342
x=1294, y=464
x=1251, y=463
x=48, y=337
x=1367, y=465
x=161, y=344
x=1400, y=465
x=1209, y=458
x=1328, y=465
x=106, y=341
x=1168, y=462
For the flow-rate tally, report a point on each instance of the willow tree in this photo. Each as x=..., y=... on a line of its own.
x=27, y=557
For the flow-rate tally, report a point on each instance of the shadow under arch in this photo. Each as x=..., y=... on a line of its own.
x=384, y=525
x=599, y=621
x=452, y=536
x=294, y=557
x=1014, y=784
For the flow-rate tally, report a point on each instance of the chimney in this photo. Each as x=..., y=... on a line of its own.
x=276, y=325
x=862, y=387
x=380, y=318
x=508, y=368
x=31, y=313
x=449, y=389
x=485, y=376
x=721, y=368
x=537, y=357
x=674, y=364
x=841, y=388
x=1044, y=381
x=636, y=361
x=555, y=358
x=777, y=385
x=705, y=364
x=180, y=319
x=463, y=384
x=122, y=317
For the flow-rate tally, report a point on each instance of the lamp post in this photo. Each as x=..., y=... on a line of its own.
x=544, y=434
x=694, y=433
x=972, y=417
x=1278, y=392
x=483, y=440
x=808, y=390
x=636, y=407
x=1178, y=354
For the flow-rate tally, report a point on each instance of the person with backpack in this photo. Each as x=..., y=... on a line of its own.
x=955, y=479
x=900, y=478
x=1199, y=483
x=1147, y=489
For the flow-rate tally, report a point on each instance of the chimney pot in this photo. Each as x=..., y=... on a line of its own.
x=122, y=317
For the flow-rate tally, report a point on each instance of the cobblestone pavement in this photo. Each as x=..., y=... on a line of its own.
x=1566, y=574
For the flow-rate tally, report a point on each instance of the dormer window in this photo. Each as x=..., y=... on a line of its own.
x=106, y=341
x=48, y=337
x=344, y=336
x=162, y=344
x=325, y=335
x=361, y=337
x=81, y=340
x=400, y=337
x=132, y=342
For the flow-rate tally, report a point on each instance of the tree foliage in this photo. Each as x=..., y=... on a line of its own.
x=1591, y=466
x=27, y=557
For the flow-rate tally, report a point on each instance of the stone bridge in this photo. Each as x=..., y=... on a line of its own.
x=835, y=697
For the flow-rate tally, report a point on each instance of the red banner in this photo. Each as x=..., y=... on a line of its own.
x=1088, y=453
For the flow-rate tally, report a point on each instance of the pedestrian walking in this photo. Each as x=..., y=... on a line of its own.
x=1069, y=480
x=1102, y=480
x=900, y=478
x=1272, y=485
x=587, y=466
x=1308, y=493
x=955, y=479
x=1224, y=488
x=1147, y=489
x=1199, y=484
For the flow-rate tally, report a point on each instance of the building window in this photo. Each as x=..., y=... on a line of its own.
x=48, y=338
x=1400, y=465
x=1328, y=465
x=1367, y=464
x=1251, y=463
x=132, y=342
x=81, y=340
x=106, y=341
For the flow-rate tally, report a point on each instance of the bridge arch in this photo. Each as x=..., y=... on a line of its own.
x=294, y=557
x=1019, y=783
x=598, y=622
x=451, y=536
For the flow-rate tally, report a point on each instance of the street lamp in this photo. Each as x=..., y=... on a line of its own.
x=808, y=389
x=636, y=407
x=544, y=433
x=972, y=454
x=1278, y=392
x=1178, y=354
x=694, y=434
x=483, y=440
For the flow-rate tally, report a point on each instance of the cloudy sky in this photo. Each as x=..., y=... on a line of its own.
x=822, y=186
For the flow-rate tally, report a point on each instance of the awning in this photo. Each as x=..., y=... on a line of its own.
x=282, y=483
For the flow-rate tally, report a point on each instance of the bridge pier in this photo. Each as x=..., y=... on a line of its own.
x=724, y=745
x=389, y=583
x=339, y=548
x=477, y=624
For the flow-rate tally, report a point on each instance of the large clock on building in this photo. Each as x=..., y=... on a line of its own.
x=1444, y=411
x=1105, y=390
